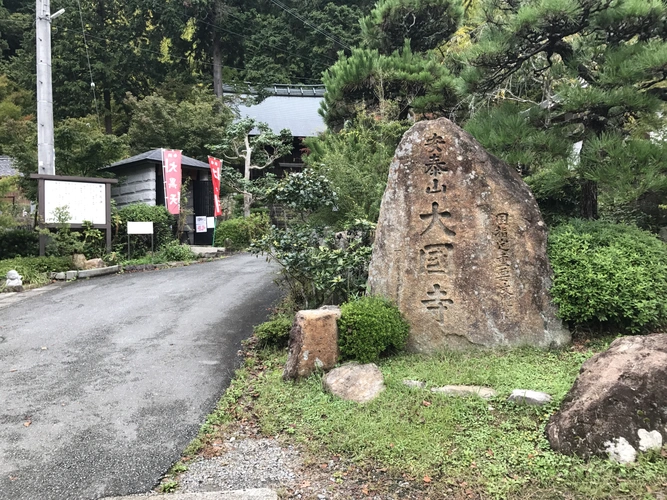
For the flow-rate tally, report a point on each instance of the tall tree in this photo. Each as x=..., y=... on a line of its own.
x=256, y=146
x=584, y=72
x=388, y=73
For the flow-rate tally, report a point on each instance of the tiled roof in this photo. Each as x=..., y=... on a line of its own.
x=284, y=90
x=7, y=167
x=292, y=107
x=156, y=156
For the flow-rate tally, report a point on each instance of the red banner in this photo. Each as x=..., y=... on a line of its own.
x=171, y=169
x=216, y=166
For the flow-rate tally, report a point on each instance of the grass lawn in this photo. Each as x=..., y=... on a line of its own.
x=483, y=448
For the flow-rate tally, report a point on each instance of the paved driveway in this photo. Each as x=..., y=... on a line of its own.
x=103, y=382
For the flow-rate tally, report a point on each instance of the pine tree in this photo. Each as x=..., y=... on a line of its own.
x=587, y=83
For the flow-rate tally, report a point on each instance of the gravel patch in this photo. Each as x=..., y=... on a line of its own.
x=246, y=463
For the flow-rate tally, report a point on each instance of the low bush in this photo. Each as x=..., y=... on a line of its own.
x=319, y=265
x=174, y=251
x=369, y=327
x=19, y=243
x=609, y=275
x=238, y=233
x=34, y=269
x=163, y=232
x=274, y=332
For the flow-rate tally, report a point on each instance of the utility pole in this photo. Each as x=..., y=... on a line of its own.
x=46, y=155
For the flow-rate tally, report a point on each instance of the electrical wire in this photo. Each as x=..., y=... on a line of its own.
x=90, y=69
x=322, y=32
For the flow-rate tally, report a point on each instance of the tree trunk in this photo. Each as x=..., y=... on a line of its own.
x=589, y=199
x=217, y=51
x=247, y=197
x=108, y=125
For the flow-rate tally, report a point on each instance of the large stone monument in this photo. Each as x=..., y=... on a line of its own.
x=461, y=246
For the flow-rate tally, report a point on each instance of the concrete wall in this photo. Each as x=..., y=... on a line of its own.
x=135, y=186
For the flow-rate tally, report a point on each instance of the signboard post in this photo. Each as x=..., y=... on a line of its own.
x=87, y=199
x=139, y=228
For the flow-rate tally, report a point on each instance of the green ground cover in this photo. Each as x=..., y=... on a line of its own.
x=34, y=270
x=495, y=448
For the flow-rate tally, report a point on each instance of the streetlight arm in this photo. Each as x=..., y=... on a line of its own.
x=57, y=14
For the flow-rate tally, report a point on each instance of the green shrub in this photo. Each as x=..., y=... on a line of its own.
x=34, y=269
x=18, y=243
x=609, y=275
x=163, y=223
x=238, y=233
x=319, y=265
x=174, y=251
x=274, y=332
x=369, y=327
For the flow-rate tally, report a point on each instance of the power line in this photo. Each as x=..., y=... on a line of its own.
x=322, y=32
x=90, y=69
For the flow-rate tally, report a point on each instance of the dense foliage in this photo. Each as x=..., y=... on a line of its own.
x=318, y=265
x=239, y=232
x=34, y=269
x=609, y=275
x=355, y=161
x=274, y=332
x=163, y=228
x=369, y=327
x=18, y=243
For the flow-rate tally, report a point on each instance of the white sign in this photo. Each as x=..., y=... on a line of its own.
x=200, y=222
x=139, y=227
x=210, y=222
x=84, y=201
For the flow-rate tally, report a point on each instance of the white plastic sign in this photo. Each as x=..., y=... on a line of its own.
x=139, y=227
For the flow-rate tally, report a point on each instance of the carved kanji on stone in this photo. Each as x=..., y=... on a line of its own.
x=437, y=303
x=436, y=219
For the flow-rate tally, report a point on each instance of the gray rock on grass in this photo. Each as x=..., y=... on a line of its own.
x=354, y=382
x=414, y=384
x=466, y=390
x=528, y=397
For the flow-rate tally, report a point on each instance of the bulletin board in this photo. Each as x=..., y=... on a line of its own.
x=85, y=199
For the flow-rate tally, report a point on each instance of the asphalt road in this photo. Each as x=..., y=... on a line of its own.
x=104, y=382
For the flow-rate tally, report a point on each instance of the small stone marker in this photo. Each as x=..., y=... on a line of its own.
x=528, y=397
x=354, y=382
x=313, y=342
x=466, y=390
x=460, y=246
x=14, y=281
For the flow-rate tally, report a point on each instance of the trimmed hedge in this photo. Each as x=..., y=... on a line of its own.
x=609, y=275
x=369, y=327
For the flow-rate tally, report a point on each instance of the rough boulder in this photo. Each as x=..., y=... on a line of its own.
x=618, y=404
